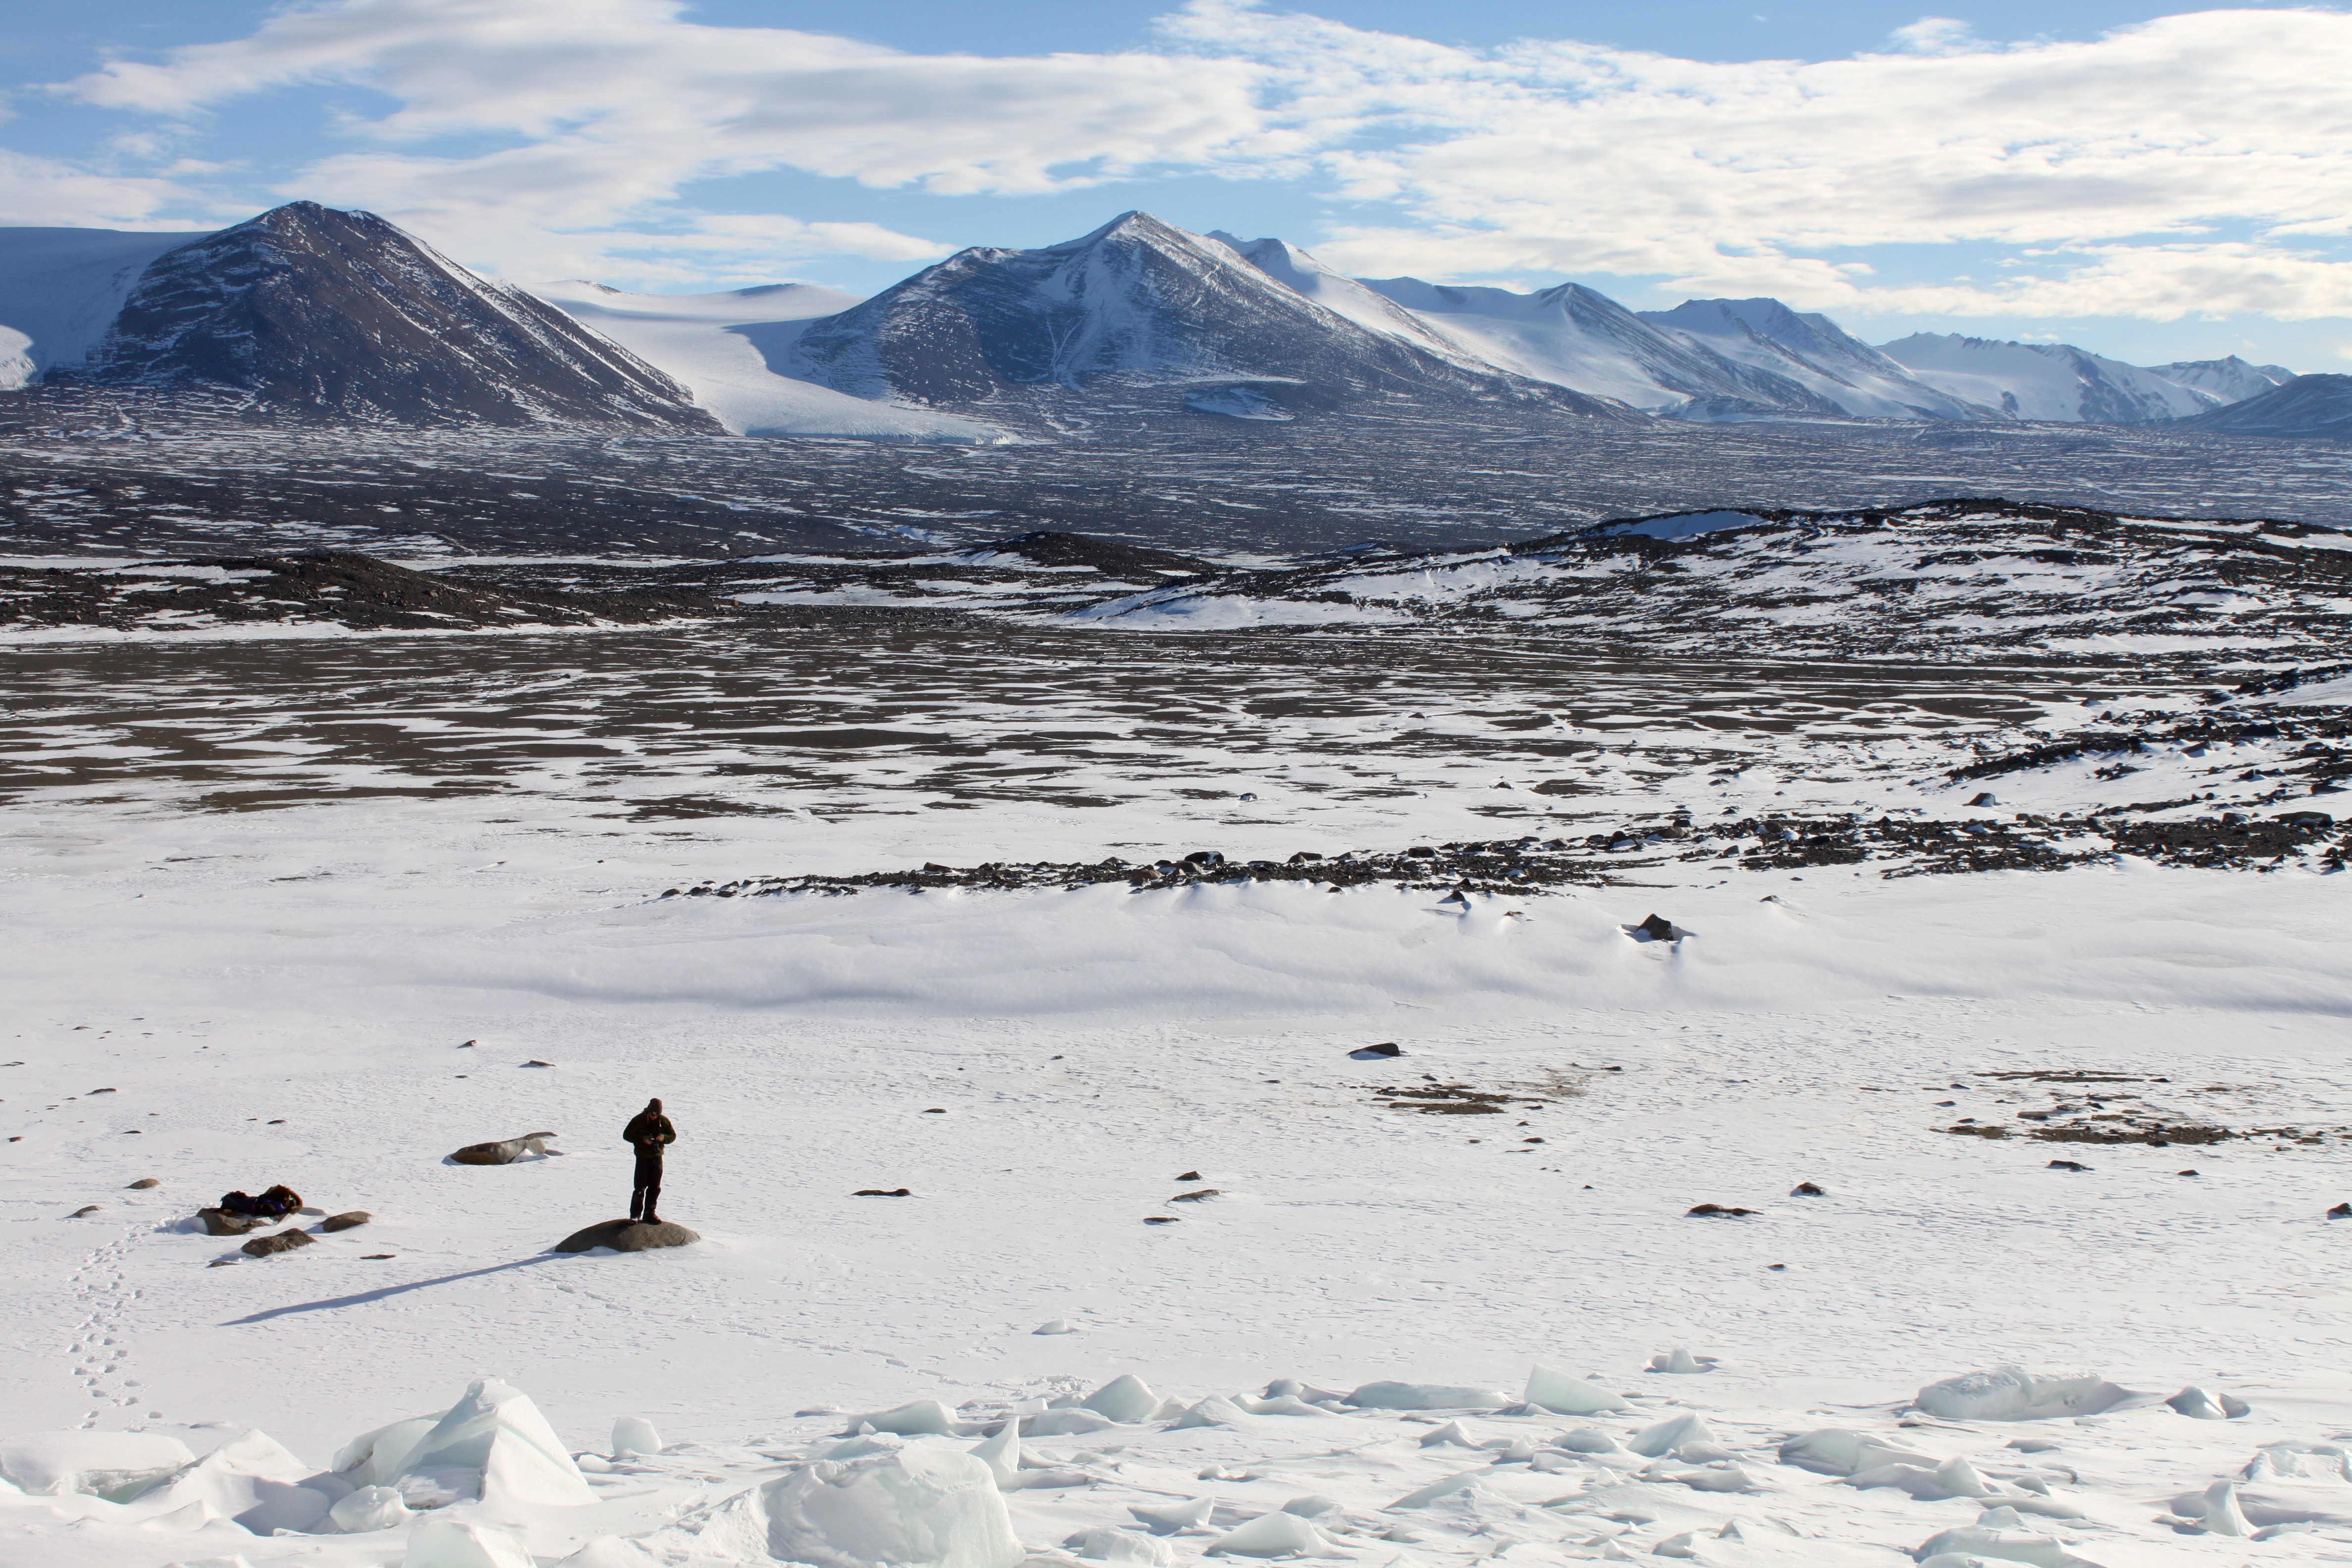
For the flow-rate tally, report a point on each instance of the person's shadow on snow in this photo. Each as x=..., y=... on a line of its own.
x=363, y=1298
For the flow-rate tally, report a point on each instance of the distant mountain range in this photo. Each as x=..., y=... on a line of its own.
x=341, y=316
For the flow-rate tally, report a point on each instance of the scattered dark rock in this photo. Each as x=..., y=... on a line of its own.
x=2157, y=1136
x=1372, y=1053
x=1776, y=1266
x=504, y=1153
x=284, y=1241
x=2187, y=1173
x=625, y=1236
x=1194, y=1197
x=220, y=1263
x=1718, y=1210
x=937, y=1111
x=1190, y=1177
x=1160, y=1219
x=882, y=1193
x=1057, y=549
x=1530, y=865
x=101, y=1092
x=1985, y=797
x=2341, y=1211
x=143, y=1183
x=535, y=1062
x=349, y=1221
x=2067, y=1165
x=87, y=1210
x=1656, y=928
x=220, y=1222
x=1451, y=1099
x=1806, y=1190
x=374, y=1257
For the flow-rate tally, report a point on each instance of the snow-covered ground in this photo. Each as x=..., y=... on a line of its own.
x=720, y=346
x=337, y=993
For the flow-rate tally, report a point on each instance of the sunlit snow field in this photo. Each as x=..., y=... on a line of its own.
x=308, y=911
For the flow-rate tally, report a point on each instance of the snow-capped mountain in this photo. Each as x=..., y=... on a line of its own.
x=1705, y=359
x=341, y=315
x=1342, y=295
x=1574, y=337
x=2229, y=380
x=2046, y=381
x=719, y=346
x=2309, y=407
x=1136, y=304
x=1815, y=352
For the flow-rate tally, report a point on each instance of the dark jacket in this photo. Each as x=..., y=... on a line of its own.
x=649, y=1132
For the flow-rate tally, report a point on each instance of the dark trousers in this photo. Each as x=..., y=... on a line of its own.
x=644, y=1197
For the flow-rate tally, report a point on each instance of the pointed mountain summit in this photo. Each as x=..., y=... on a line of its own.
x=1134, y=304
x=341, y=315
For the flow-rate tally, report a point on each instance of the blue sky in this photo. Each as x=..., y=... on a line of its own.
x=2149, y=181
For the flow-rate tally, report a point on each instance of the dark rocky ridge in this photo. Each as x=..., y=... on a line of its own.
x=2310, y=407
x=341, y=316
x=132, y=471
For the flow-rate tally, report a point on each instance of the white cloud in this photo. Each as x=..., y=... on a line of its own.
x=607, y=108
x=47, y=192
x=2192, y=164
x=1740, y=177
x=1935, y=36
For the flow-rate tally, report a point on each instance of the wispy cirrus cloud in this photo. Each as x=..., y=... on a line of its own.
x=2193, y=165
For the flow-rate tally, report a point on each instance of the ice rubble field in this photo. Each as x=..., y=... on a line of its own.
x=294, y=1002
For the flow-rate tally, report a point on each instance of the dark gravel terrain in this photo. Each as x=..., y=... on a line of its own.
x=117, y=470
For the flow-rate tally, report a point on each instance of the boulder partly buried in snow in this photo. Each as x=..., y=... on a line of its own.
x=2013, y=1394
x=505, y=1152
x=284, y=1241
x=220, y=1222
x=627, y=1235
x=926, y=1506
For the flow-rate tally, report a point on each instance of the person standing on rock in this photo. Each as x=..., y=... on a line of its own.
x=649, y=1133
